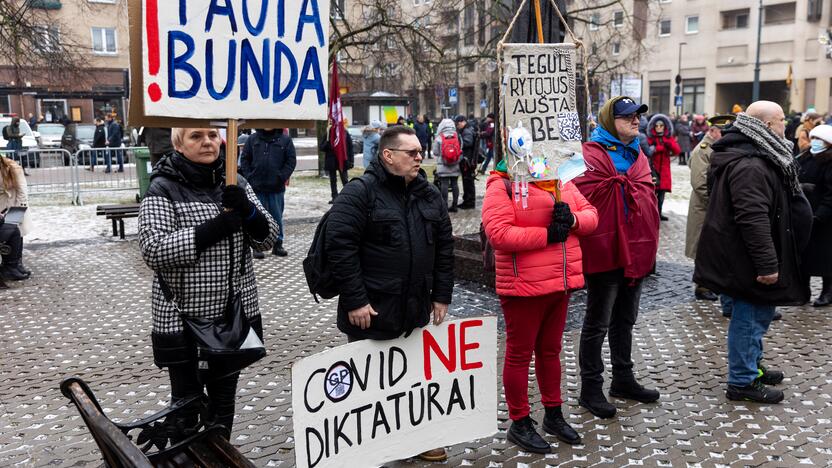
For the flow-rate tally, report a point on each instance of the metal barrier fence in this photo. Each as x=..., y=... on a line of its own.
x=59, y=172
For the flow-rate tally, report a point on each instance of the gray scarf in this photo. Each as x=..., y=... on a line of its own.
x=774, y=148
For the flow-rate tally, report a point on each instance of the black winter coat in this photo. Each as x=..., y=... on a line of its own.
x=753, y=227
x=390, y=246
x=114, y=134
x=330, y=161
x=267, y=161
x=816, y=178
x=99, y=138
x=422, y=133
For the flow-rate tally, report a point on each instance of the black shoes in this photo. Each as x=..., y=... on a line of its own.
x=597, y=404
x=258, y=254
x=824, y=299
x=663, y=217
x=553, y=423
x=279, y=250
x=12, y=273
x=705, y=294
x=453, y=209
x=467, y=206
x=770, y=376
x=523, y=433
x=777, y=315
x=756, y=391
x=632, y=390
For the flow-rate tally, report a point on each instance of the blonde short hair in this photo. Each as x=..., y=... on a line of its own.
x=176, y=136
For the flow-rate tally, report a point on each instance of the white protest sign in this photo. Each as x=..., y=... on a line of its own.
x=371, y=402
x=538, y=93
x=238, y=59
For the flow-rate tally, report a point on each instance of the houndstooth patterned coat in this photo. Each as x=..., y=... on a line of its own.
x=175, y=203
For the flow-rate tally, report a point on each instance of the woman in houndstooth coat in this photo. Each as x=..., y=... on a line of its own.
x=191, y=224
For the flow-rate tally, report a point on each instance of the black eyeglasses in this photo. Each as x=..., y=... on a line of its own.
x=412, y=153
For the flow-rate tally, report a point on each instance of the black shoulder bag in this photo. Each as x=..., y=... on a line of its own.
x=227, y=344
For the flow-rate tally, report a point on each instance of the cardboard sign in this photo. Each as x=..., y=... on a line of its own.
x=371, y=402
x=203, y=60
x=539, y=94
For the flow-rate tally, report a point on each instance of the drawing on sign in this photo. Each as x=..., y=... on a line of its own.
x=254, y=59
x=370, y=402
x=539, y=95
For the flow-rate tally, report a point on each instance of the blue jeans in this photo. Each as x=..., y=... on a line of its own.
x=488, y=155
x=727, y=304
x=108, y=158
x=749, y=322
x=273, y=203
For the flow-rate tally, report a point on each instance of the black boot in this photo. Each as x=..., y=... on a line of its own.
x=770, y=376
x=523, y=433
x=554, y=424
x=630, y=389
x=825, y=297
x=278, y=249
x=756, y=392
x=258, y=254
x=596, y=403
x=704, y=294
x=9, y=272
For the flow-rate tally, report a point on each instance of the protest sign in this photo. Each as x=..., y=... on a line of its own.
x=371, y=402
x=193, y=61
x=539, y=94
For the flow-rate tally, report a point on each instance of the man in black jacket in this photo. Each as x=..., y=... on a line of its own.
x=468, y=164
x=757, y=223
x=267, y=161
x=389, y=242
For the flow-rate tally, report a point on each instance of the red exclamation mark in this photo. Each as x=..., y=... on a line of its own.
x=152, y=26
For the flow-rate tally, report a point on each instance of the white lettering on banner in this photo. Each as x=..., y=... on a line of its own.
x=371, y=402
x=539, y=92
x=244, y=59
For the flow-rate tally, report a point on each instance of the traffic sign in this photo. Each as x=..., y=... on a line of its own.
x=483, y=103
x=452, y=98
x=678, y=101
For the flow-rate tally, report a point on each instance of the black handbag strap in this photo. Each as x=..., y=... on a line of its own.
x=168, y=293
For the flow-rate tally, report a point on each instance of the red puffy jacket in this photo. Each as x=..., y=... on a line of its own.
x=628, y=228
x=526, y=264
x=666, y=146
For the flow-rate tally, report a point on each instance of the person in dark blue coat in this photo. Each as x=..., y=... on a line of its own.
x=267, y=162
x=114, y=135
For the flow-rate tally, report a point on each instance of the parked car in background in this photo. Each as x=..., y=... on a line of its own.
x=78, y=137
x=357, y=135
x=50, y=135
x=29, y=141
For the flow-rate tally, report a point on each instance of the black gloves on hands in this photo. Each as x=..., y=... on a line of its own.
x=562, y=214
x=216, y=229
x=235, y=199
x=562, y=221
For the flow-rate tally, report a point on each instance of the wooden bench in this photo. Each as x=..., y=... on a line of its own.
x=204, y=447
x=117, y=214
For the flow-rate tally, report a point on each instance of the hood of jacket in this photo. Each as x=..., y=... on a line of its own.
x=446, y=126
x=177, y=167
x=668, y=125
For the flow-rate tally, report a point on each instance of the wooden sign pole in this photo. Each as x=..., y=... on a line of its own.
x=231, y=152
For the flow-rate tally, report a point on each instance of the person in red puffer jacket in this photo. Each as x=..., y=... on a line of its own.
x=660, y=136
x=538, y=265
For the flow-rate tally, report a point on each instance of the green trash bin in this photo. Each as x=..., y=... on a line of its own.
x=143, y=170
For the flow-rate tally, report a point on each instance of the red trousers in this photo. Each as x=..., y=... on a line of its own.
x=533, y=325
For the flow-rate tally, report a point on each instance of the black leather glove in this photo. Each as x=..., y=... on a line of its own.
x=216, y=229
x=557, y=232
x=235, y=199
x=563, y=214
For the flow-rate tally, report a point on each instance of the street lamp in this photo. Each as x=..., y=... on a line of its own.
x=755, y=89
x=679, y=82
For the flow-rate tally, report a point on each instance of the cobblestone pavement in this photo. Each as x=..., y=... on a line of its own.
x=86, y=312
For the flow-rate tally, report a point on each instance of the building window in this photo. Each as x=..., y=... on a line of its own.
x=616, y=48
x=5, y=104
x=50, y=38
x=735, y=19
x=53, y=110
x=691, y=24
x=664, y=28
x=468, y=17
x=618, y=19
x=594, y=21
x=782, y=13
x=660, y=96
x=693, y=92
x=104, y=40
x=815, y=11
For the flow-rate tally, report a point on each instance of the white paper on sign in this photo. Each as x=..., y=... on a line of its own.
x=540, y=93
x=236, y=59
x=370, y=402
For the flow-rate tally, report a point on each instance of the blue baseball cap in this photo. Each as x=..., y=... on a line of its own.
x=627, y=106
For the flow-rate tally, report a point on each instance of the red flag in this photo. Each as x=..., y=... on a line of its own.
x=337, y=139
